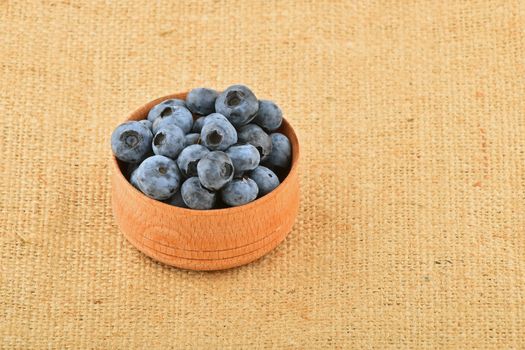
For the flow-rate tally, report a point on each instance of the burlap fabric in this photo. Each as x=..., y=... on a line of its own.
x=411, y=232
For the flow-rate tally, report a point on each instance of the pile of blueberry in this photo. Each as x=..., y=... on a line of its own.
x=213, y=150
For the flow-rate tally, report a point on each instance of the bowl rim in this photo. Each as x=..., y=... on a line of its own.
x=294, y=141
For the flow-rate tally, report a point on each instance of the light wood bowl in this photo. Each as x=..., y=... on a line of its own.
x=205, y=239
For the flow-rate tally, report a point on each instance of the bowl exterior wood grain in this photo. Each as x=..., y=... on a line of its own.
x=206, y=240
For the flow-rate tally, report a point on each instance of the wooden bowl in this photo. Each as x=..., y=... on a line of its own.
x=205, y=239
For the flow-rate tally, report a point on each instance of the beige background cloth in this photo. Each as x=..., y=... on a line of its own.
x=411, y=232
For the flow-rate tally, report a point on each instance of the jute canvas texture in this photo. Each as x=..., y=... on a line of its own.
x=411, y=118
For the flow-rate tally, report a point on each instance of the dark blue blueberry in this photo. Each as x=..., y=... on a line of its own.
x=158, y=177
x=266, y=179
x=131, y=141
x=177, y=200
x=218, y=133
x=215, y=170
x=281, y=153
x=254, y=135
x=196, y=196
x=201, y=101
x=155, y=112
x=169, y=141
x=239, y=192
x=198, y=124
x=174, y=115
x=192, y=139
x=189, y=158
x=244, y=158
x=269, y=116
x=131, y=167
x=238, y=104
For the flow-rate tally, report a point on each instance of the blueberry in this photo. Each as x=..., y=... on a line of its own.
x=265, y=179
x=198, y=124
x=177, y=200
x=201, y=101
x=158, y=177
x=131, y=142
x=169, y=141
x=215, y=170
x=146, y=123
x=189, y=158
x=196, y=196
x=155, y=112
x=238, y=104
x=281, y=153
x=244, y=158
x=239, y=192
x=254, y=135
x=269, y=115
x=133, y=179
x=192, y=139
x=214, y=117
x=217, y=133
x=174, y=115
x=130, y=168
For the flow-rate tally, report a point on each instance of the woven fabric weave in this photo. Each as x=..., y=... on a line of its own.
x=411, y=231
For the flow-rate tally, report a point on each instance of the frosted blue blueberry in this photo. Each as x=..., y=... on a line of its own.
x=158, y=177
x=169, y=141
x=215, y=117
x=131, y=141
x=269, y=116
x=197, y=196
x=146, y=123
x=281, y=153
x=218, y=133
x=237, y=103
x=255, y=135
x=201, y=101
x=133, y=179
x=198, y=124
x=155, y=112
x=192, y=139
x=239, y=192
x=215, y=170
x=189, y=158
x=265, y=179
x=177, y=200
x=244, y=158
x=174, y=115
